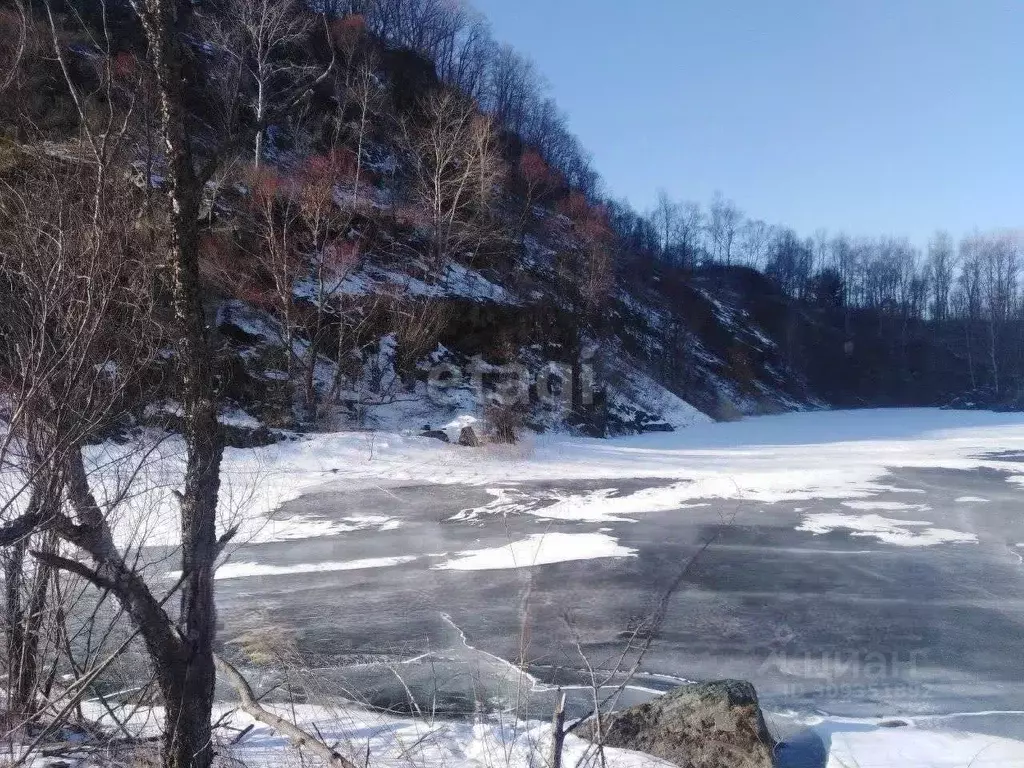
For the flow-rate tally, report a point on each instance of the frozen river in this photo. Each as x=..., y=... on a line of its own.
x=863, y=564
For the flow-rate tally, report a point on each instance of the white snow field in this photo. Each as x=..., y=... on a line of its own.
x=809, y=455
x=862, y=743
x=912, y=748
x=854, y=744
x=840, y=455
x=403, y=742
x=390, y=741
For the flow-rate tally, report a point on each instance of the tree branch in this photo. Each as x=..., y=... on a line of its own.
x=213, y=163
x=18, y=528
x=254, y=709
x=72, y=566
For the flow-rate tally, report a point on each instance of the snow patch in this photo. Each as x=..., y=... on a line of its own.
x=239, y=570
x=236, y=417
x=901, y=533
x=871, y=746
x=890, y=506
x=538, y=549
x=600, y=506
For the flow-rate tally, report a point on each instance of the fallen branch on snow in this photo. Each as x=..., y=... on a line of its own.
x=300, y=738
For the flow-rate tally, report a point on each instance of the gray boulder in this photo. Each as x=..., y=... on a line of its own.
x=468, y=438
x=436, y=434
x=704, y=725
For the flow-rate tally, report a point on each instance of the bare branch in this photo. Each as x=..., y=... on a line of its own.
x=300, y=738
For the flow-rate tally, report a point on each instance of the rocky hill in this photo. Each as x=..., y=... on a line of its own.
x=403, y=247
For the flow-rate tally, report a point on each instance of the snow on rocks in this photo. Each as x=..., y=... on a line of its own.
x=453, y=281
x=453, y=429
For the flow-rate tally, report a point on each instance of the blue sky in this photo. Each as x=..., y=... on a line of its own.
x=865, y=116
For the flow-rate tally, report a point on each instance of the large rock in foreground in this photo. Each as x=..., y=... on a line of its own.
x=705, y=725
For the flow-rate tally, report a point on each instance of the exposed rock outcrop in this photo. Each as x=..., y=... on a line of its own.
x=704, y=725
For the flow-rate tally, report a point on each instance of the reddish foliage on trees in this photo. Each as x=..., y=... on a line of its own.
x=595, y=227
x=347, y=32
x=535, y=171
x=222, y=264
x=334, y=164
x=338, y=165
x=258, y=296
x=124, y=65
x=342, y=255
x=317, y=167
x=316, y=178
x=344, y=161
x=575, y=206
x=591, y=268
x=265, y=184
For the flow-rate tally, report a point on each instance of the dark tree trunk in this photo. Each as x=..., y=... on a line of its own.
x=14, y=571
x=187, y=684
x=187, y=733
x=24, y=621
x=27, y=683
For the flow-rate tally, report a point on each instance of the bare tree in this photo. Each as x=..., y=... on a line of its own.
x=274, y=255
x=512, y=86
x=181, y=651
x=690, y=233
x=723, y=225
x=967, y=299
x=680, y=228
x=941, y=268
x=259, y=40
x=462, y=53
x=585, y=274
x=334, y=253
x=456, y=170
x=15, y=26
x=665, y=216
x=843, y=259
x=1000, y=268
x=755, y=241
x=790, y=263
x=77, y=325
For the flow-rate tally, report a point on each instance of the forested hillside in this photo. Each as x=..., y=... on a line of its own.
x=397, y=226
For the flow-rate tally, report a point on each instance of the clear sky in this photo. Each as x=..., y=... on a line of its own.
x=865, y=116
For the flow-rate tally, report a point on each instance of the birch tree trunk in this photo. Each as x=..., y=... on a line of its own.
x=188, y=689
